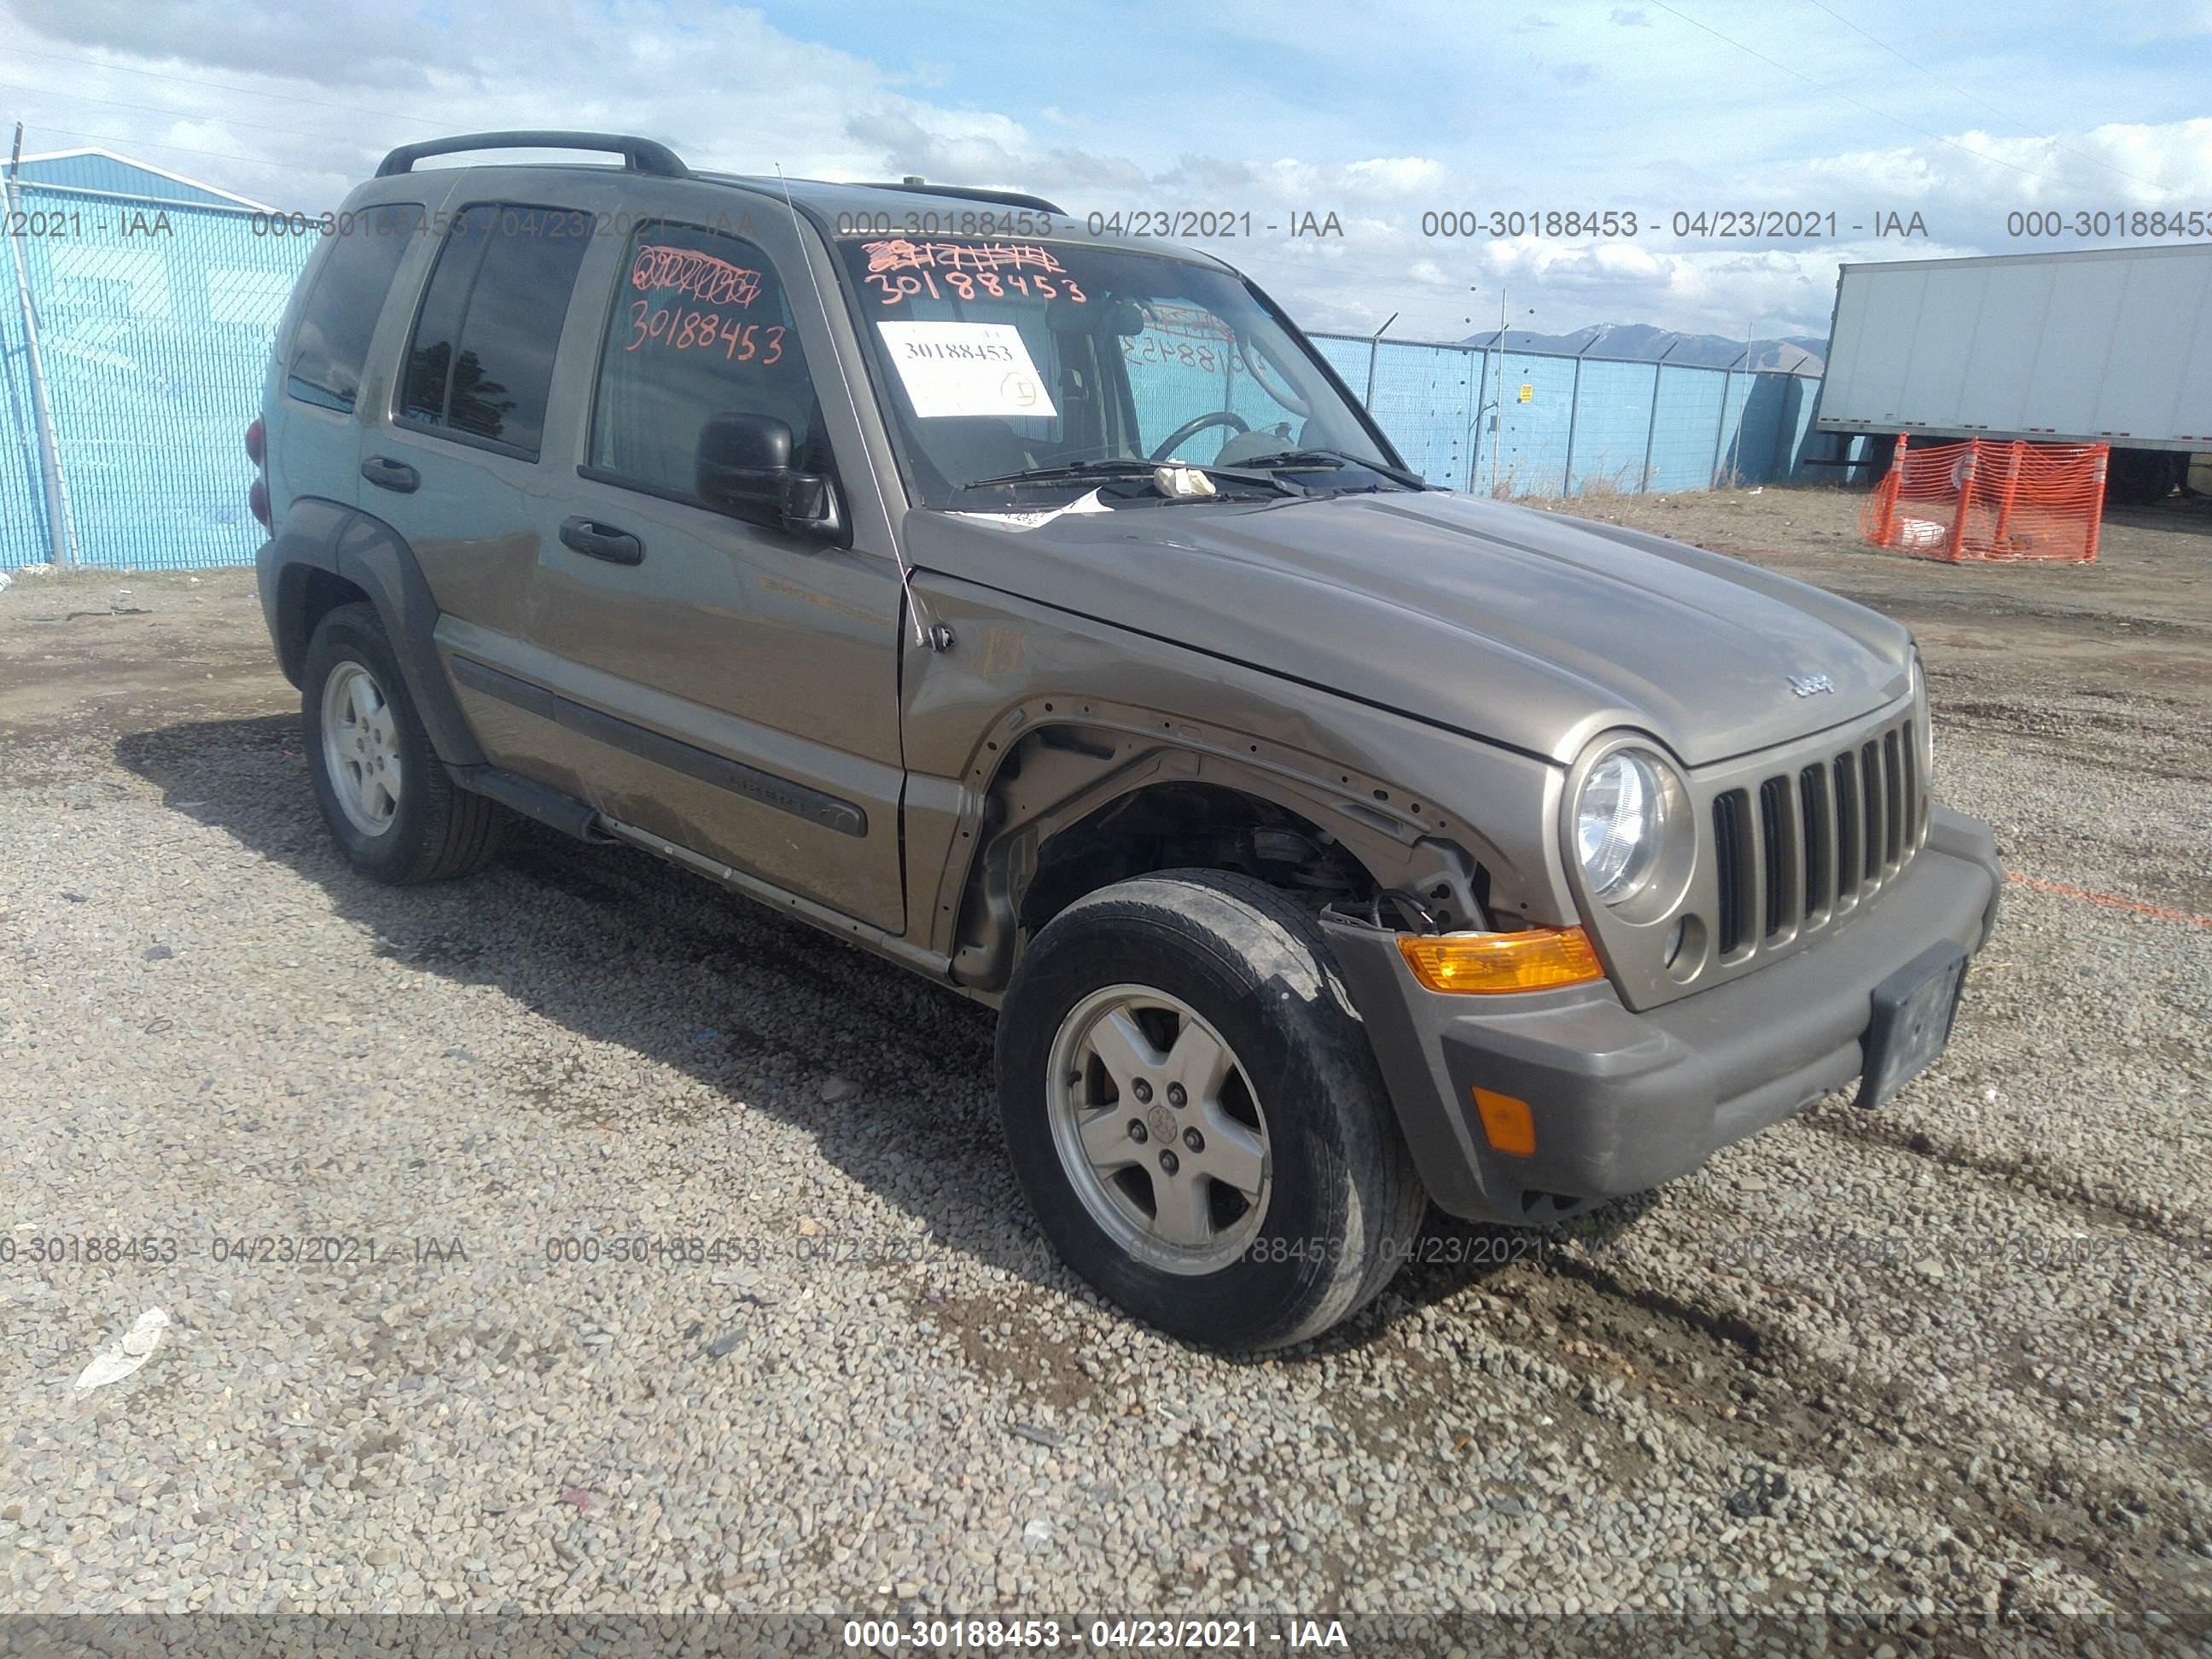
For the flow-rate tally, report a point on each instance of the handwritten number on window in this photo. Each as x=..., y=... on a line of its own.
x=903, y=270
x=683, y=329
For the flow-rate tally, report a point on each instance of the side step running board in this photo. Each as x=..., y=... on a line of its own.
x=573, y=817
x=534, y=800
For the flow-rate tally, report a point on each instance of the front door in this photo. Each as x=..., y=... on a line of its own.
x=727, y=684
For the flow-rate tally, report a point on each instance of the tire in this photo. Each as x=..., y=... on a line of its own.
x=395, y=813
x=1137, y=980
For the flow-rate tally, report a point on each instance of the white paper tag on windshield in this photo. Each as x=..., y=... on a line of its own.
x=967, y=368
x=1086, y=502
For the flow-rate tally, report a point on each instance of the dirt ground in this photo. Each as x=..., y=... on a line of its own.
x=1950, y=1356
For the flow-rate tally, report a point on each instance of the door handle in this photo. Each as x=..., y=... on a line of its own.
x=602, y=541
x=387, y=474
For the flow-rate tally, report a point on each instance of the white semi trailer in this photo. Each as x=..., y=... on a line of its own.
x=2106, y=345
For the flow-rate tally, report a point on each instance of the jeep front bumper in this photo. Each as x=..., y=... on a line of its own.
x=1622, y=1101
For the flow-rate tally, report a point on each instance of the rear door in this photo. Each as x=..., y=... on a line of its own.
x=727, y=683
x=456, y=455
x=323, y=354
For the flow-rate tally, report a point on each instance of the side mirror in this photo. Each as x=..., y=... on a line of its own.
x=743, y=460
x=744, y=465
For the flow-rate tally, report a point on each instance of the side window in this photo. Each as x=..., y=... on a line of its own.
x=330, y=343
x=700, y=327
x=481, y=359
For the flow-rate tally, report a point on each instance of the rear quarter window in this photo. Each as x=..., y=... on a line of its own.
x=330, y=343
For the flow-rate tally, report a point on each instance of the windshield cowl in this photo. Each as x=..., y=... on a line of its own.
x=1135, y=481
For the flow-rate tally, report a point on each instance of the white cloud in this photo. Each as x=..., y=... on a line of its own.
x=293, y=105
x=2119, y=164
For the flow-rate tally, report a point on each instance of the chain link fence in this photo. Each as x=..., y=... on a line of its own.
x=154, y=319
x=1541, y=423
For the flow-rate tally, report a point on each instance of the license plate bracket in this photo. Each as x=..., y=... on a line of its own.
x=1913, y=1010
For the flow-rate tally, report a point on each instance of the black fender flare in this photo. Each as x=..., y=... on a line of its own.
x=369, y=555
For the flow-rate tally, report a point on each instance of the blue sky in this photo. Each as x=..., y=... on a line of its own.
x=1962, y=113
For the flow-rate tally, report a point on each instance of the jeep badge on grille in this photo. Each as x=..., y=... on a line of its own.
x=1811, y=685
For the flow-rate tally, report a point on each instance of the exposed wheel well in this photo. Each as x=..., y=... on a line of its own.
x=1184, y=825
x=1037, y=861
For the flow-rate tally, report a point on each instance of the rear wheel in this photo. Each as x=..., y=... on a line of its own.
x=388, y=801
x=1196, y=1115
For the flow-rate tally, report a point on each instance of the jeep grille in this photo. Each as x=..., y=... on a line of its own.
x=1801, y=847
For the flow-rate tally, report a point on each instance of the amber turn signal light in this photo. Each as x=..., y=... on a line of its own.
x=1537, y=960
x=1507, y=1123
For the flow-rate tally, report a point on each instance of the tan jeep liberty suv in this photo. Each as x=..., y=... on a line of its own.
x=1038, y=609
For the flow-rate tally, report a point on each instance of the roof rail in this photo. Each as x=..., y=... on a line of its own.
x=1005, y=198
x=639, y=155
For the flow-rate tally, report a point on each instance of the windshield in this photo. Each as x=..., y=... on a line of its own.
x=1003, y=359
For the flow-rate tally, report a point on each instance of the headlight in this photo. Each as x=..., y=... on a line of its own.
x=1620, y=822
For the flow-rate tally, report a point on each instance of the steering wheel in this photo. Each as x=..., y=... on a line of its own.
x=1191, y=428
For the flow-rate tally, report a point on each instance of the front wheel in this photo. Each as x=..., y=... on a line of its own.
x=1196, y=1115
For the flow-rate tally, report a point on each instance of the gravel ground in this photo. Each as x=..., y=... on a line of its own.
x=1947, y=1358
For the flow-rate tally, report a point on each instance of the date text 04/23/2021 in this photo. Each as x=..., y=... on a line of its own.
x=893, y=1635
x=48, y=1248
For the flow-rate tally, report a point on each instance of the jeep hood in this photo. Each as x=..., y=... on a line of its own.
x=1531, y=628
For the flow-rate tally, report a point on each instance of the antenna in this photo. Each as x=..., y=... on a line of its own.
x=928, y=636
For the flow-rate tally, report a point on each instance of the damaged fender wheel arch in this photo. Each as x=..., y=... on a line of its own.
x=394, y=811
x=1196, y=1115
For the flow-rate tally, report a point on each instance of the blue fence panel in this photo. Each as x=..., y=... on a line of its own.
x=1760, y=402
x=1612, y=421
x=1426, y=398
x=1685, y=439
x=1804, y=398
x=1348, y=357
x=1735, y=398
x=154, y=324
x=23, y=535
x=1530, y=451
x=1588, y=422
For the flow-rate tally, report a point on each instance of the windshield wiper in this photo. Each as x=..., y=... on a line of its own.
x=1332, y=459
x=1124, y=468
x=1099, y=469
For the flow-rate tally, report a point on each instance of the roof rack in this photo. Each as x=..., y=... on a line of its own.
x=975, y=193
x=639, y=155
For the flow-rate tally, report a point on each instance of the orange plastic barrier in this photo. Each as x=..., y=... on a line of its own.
x=1987, y=500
